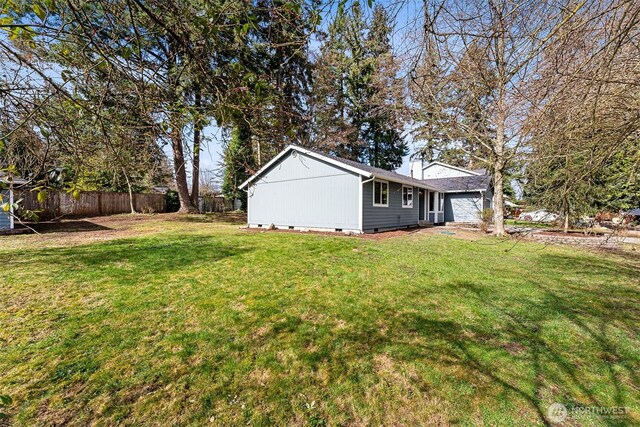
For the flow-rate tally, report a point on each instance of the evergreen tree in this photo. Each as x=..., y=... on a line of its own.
x=356, y=91
x=619, y=181
x=239, y=164
x=334, y=127
x=382, y=128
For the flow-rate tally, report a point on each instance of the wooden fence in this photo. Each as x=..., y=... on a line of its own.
x=91, y=203
x=207, y=204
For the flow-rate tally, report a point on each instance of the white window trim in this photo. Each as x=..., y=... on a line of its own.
x=374, y=194
x=402, y=201
x=440, y=197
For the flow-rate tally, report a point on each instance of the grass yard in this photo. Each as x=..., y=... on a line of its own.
x=166, y=320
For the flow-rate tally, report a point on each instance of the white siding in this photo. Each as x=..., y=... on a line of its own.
x=416, y=169
x=441, y=171
x=301, y=191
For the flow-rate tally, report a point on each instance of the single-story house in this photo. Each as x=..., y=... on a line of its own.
x=307, y=190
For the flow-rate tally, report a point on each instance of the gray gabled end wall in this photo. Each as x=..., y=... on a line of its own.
x=304, y=192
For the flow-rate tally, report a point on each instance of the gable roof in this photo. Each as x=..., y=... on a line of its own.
x=460, y=184
x=470, y=172
x=383, y=173
x=350, y=165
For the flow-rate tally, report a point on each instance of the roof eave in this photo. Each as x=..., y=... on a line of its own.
x=309, y=153
x=466, y=191
x=402, y=181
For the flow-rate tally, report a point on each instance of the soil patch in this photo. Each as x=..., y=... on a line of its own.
x=367, y=236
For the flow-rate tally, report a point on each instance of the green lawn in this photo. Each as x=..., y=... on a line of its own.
x=184, y=321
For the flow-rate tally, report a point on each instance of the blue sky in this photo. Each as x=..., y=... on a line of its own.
x=212, y=152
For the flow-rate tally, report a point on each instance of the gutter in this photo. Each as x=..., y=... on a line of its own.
x=465, y=191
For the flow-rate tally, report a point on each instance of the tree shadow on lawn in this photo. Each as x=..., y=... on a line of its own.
x=597, y=313
x=518, y=346
x=566, y=337
x=212, y=218
x=553, y=373
x=67, y=226
x=157, y=255
x=505, y=335
x=627, y=265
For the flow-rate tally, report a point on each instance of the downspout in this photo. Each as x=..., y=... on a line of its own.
x=246, y=190
x=361, y=207
x=482, y=205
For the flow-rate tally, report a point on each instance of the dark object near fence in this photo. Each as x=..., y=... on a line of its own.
x=172, y=201
x=92, y=203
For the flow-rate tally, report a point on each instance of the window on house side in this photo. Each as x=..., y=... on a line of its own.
x=407, y=197
x=380, y=193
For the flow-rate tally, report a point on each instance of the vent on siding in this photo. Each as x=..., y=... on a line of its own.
x=375, y=230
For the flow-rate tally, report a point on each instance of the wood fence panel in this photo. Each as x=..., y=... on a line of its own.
x=90, y=203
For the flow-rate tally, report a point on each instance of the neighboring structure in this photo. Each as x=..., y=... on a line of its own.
x=6, y=218
x=6, y=191
x=304, y=189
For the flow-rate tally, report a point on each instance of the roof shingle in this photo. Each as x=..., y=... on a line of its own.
x=381, y=173
x=459, y=183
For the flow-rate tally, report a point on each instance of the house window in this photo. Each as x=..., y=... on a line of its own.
x=432, y=201
x=440, y=202
x=407, y=197
x=380, y=193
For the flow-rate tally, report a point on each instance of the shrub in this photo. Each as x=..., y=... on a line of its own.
x=173, y=202
x=486, y=218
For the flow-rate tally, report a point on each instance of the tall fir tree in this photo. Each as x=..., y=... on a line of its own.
x=238, y=159
x=357, y=95
x=383, y=124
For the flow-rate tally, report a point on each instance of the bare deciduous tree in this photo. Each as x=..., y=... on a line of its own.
x=488, y=53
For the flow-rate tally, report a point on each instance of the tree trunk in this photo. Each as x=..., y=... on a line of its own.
x=197, y=129
x=498, y=178
x=498, y=155
x=498, y=201
x=131, y=204
x=186, y=206
x=566, y=217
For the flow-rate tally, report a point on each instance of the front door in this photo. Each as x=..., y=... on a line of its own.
x=422, y=204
